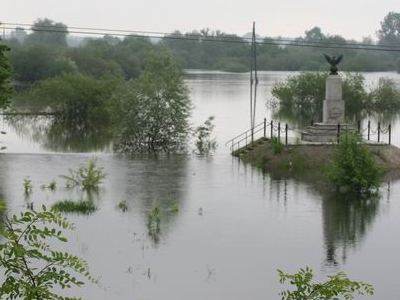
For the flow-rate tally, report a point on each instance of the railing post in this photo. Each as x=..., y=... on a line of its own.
x=265, y=127
x=369, y=129
x=246, y=140
x=338, y=133
x=286, y=134
x=379, y=132
x=359, y=126
x=279, y=131
x=272, y=129
x=390, y=134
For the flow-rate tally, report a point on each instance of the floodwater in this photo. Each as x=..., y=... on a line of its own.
x=235, y=226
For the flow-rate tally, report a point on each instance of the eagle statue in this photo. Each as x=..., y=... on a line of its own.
x=333, y=61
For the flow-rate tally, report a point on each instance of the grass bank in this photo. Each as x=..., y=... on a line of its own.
x=308, y=162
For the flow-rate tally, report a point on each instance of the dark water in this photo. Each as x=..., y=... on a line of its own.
x=235, y=225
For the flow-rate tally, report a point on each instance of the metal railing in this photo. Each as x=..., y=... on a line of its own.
x=282, y=130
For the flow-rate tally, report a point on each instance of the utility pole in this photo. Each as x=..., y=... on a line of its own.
x=253, y=81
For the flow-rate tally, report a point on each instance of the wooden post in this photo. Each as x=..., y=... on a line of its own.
x=312, y=122
x=359, y=126
x=338, y=133
x=272, y=129
x=286, y=134
x=379, y=132
x=279, y=131
x=369, y=129
x=246, y=140
x=265, y=127
x=390, y=134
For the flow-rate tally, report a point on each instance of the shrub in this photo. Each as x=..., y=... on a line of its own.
x=277, y=146
x=205, y=144
x=353, y=167
x=32, y=268
x=338, y=285
x=151, y=113
x=385, y=97
x=86, y=177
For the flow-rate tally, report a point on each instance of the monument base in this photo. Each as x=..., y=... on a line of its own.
x=324, y=133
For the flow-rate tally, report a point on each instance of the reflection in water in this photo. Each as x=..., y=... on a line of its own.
x=55, y=135
x=345, y=223
x=159, y=190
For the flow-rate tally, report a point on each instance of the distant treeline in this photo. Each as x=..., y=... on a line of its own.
x=45, y=54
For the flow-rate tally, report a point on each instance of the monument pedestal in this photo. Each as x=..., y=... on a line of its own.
x=333, y=114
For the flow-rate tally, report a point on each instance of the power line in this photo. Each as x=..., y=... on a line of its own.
x=199, y=38
x=226, y=36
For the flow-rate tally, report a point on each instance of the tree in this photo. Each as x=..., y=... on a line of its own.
x=46, y=31
x=314, y=34
x=336, y=286
x=5, y=75
x=32, y=266
x=151, y=113
x=205, y=143
x=390, y=29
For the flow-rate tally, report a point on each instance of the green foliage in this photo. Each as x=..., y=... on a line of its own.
x=36, y=62
x=336, y=287
x=353, y=168
x=28, y=187
x=46, y=31
x=153, y=223
x=205, y=144
x=123, y=206
x=33, y=268
x=80, y=207
x=390, y=29
x=174, y=208
x=151, y=113
x=52, y=186
x=87, y=178
x=5, y=75
x=80, y=100
x=385, y=97
x=277, y=146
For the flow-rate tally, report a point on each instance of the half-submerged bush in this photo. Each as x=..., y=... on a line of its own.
x=337, y=286
x=205, y=143
x=86, y=177
x=32, y=268
x=353, y=168
x=151, y=113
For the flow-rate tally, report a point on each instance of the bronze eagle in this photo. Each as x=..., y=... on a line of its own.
x=333, y=61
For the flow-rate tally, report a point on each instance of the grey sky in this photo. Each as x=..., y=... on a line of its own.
x=349, y=18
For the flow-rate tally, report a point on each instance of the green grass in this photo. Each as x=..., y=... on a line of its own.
x=78, y=207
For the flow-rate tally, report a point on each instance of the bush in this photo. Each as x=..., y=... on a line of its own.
x=151, y=113
x=353, y=168
x=80, y=100
x=336, y=286
x=86, y=177
x=205, y=144
x=277, y=146
x=385, y=97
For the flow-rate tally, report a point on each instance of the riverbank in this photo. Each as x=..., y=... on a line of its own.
x=309, y=161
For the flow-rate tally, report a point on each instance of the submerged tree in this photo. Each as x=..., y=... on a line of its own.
x=205, y=143
x=5, y=75
x=151, y=113
x=32, y=267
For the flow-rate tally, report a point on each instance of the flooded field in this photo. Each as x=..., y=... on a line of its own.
x=235, y=225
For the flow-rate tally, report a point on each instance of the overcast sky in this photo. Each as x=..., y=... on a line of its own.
x=289, y=18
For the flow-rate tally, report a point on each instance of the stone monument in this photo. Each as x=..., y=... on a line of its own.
x=333, y=108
